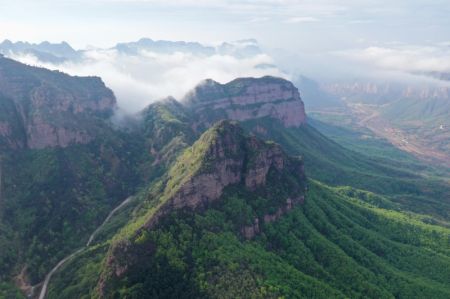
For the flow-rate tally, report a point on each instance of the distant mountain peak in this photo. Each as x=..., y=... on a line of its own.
x=44, y=51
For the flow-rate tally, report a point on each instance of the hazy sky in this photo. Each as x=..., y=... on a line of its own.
x=323, y=39
x=298, y=25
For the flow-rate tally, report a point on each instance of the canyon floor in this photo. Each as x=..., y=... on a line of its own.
x=366, y=116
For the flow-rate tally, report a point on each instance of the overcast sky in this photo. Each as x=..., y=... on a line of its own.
x=323, y=39
x=290, y=24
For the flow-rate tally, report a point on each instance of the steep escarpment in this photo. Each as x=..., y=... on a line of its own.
x=223, y=158
x=385, y=92
x=226, y=216
x=254, y=234
x=247, y=98
x=166, y=128
x=63, y=166
x=41, y=108
x=169, y=126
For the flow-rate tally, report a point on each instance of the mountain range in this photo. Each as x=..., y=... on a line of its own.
x=411, y=113
x=45, y=51
x=58, y=53
x=231, y=191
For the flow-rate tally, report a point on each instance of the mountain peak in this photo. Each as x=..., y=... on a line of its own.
x=223, y=157
x=45, y=51
x=247, y=98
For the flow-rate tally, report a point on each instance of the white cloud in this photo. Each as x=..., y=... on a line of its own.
x=402, y=58
x=302, y=20
x=142, y=79
x=251, y=7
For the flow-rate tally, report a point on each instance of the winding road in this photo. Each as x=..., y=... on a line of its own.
x=89, y=242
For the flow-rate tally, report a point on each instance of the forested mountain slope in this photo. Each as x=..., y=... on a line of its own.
x=236, y=193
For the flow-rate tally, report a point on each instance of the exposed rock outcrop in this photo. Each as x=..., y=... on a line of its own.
x=41, y=108
x=380, y=93
x=250, y=231
x=223, y=156
x=170, y=125
x=246, y=99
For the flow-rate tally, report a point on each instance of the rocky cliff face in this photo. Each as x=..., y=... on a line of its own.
x=229, y=158
x=222, y=157
x=40, y=108
x=247, y=98
x=380, y=93
x=170, y=126
x=249, y=231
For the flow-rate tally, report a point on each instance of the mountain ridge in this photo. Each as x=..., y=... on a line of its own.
x=222, y=157
x=247, y=98
x=219, y=209
x=48, y=107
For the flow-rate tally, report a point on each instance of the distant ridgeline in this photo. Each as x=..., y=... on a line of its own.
x=58, y=53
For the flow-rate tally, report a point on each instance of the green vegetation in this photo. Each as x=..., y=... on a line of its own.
x=81, y=275
x=342, y=242
x=54, y=199
x=363, y=141
x=375, y=222
x=422, y=118
x=412, y=185
x=8, y=290
x=334, y=246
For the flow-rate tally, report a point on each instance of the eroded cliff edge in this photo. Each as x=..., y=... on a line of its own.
x=223, y=157
x=42, y=108
x=245, y=99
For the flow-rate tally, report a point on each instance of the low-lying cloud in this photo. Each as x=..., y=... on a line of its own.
x=138, y=80
x=403, y=58
x=146, y=71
